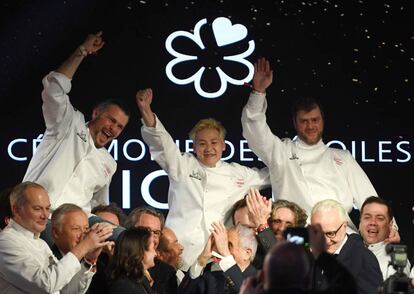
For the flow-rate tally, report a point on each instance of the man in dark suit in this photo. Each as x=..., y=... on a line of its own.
x=348, y=249
x=235, y=249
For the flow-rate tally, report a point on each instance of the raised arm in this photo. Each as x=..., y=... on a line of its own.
x=91, y=45
x=144, y=99
x=263, y=75
x=255, y=129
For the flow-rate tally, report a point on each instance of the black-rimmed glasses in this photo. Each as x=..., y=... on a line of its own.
x=332, y=234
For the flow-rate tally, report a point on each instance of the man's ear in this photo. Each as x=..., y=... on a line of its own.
x=224, y=145
x=55, y=233
x=15, y=210
x=390, y=226
x=249, y=253
x=95, y=113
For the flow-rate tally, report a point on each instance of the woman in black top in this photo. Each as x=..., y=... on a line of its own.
x=134, y=255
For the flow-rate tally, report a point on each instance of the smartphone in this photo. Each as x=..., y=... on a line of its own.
x=297, y=235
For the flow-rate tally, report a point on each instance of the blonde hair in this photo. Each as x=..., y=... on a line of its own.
x=207, y=123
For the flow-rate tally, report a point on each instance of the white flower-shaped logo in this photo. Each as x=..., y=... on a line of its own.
x=227, y=41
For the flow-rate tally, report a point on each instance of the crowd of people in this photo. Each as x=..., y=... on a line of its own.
x=221, y=235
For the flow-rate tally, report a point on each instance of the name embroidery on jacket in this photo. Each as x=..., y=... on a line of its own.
x=240, y=183
x=195, y=175
x=294, y=156
x=82, y=135
x=338, y=161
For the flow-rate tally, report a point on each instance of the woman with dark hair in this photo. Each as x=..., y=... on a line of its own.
x=134, y=255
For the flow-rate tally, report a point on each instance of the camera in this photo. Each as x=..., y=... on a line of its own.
x=297, y=235
x=398, y=283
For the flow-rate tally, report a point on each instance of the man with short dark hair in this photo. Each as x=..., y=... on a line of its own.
x=145, y=216
x=169, y=250
x=374, y=226
x=303, y=170
x=111, y=213
x=72, y=162
x=27, y=265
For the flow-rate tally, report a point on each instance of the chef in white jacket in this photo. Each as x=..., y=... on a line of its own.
x=303, y=170
x=202, y=187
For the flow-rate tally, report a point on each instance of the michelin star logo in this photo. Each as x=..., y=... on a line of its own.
x=225, y=33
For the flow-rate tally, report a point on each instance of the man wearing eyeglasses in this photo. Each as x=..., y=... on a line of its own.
x=348, y=249
x=162, y=276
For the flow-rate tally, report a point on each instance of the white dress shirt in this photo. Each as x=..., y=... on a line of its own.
x=67, y=163
x=27, y=265
x=384, y=260
x=198, y=195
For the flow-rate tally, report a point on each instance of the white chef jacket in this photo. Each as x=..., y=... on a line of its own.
x=27, y=265
x=301, y=173
x=198, y=195
x=384, y=259
x=66, y=162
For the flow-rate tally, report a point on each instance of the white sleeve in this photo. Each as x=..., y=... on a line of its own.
x=80, y=282
x=195, y=270
x=100, y=197
x=359, y=184
x=163, y=149
x=24, y=271
x=256, y=131
x=57, y=109
x=227, y=262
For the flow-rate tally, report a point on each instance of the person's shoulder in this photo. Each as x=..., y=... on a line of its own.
x=108, y=159
x=358, y=246
x=162, y=268
x=125, y=285
x=286, y=140
x=340, y=152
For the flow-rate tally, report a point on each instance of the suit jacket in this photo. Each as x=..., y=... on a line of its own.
x=362, y=264
x=216, y=282
x=56, y=252
x=265, y=240
x=99, y=284
x=164, y=276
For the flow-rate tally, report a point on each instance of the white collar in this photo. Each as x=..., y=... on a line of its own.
x=29, y=234
x=302, y=145
x=338, y=251
x=377, y=247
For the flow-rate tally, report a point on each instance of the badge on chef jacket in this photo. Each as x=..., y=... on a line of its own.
x=82, y=135
x=195, y=175
x=338, y=161
x=240, y=183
